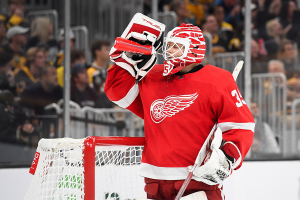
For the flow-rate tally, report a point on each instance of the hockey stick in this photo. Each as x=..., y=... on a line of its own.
x=206, y=145
x=237, y=69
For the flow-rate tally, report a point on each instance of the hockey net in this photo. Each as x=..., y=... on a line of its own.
x=88, y=169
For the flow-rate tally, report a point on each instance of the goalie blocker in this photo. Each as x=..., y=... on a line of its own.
x=180, y=101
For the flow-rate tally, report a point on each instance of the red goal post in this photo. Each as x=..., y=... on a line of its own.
x=90, y=144
x=88, y=169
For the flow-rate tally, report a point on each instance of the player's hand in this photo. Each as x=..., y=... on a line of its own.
x=235, y=11
x=215, y=170
x=217, y=166
x=137, y=65
x=274, y=7
x=147, y=39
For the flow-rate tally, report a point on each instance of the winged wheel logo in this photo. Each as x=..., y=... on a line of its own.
x=162, y=108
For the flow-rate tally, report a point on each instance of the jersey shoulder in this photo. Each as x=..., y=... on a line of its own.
x=215, y=76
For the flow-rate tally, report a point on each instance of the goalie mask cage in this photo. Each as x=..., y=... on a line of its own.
x=94, y=168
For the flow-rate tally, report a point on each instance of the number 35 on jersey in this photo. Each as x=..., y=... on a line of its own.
x=240, y=101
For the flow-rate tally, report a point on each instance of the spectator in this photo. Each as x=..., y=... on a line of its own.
x=44, y=92
x=15, y=123
x=15, y=14
x=237, y=41
x=274, y=7
x=225, y=30
x=257, y=54
x=254, y=12
x=264, y=140
x=81, y=92
x=17, y=37
x=179, y=7
x=7, y=81
x=2, y=32
x=98, y=71
x=218, y=12
x=60, y=56
x=30, y=73
x=292, y=92
x=210, y=25
x=287, y=54
x=292, y=31
x=286, y=13
x=267, y=10
x=41, y=34
x=274, y=30
x=61, y=38
x=254, y=49
x=276, y=66
x=232, y=10
x=77, y=56
x=196, y=12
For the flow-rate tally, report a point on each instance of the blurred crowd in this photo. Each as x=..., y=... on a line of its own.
x=274, y=27
x=32, y=61
x=275, y=32
x=32, y=73
x=275, y=46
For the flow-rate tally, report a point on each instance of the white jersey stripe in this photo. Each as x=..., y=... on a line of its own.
x=163, y=173
x=127, y=67
x=230, y=125
x=129, y=98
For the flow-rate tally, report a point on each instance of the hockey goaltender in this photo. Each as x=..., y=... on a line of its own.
x=180, y=102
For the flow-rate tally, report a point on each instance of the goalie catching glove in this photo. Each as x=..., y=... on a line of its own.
x=217, y=167
x=137, y=65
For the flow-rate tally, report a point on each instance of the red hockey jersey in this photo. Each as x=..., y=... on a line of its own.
x=179, y=112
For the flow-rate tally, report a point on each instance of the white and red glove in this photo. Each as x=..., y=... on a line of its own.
x=217, y=166
x=136, y=64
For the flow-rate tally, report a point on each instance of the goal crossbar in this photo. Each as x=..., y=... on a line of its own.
x=92, y=168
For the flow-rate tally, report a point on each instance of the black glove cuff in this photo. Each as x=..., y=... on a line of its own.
x=228, y=157
x=147, y=42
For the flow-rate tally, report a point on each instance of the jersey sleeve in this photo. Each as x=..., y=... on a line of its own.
x=234, y=119
x=122, y=89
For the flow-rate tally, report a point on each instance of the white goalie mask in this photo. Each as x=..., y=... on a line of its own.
x=183, y=46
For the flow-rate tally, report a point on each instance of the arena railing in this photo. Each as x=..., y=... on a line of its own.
x=295, y=129
x=108, y=19
x=208, y=59
x=269, y=91
x=89, y=121
x=51, y=14
x=38, y=5
x=168, y=18
x=82, y=40
x=228, y=62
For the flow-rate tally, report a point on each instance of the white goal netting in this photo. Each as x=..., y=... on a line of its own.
x=60, y=174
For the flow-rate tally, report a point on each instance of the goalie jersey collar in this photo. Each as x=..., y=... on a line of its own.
x=195, y=69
